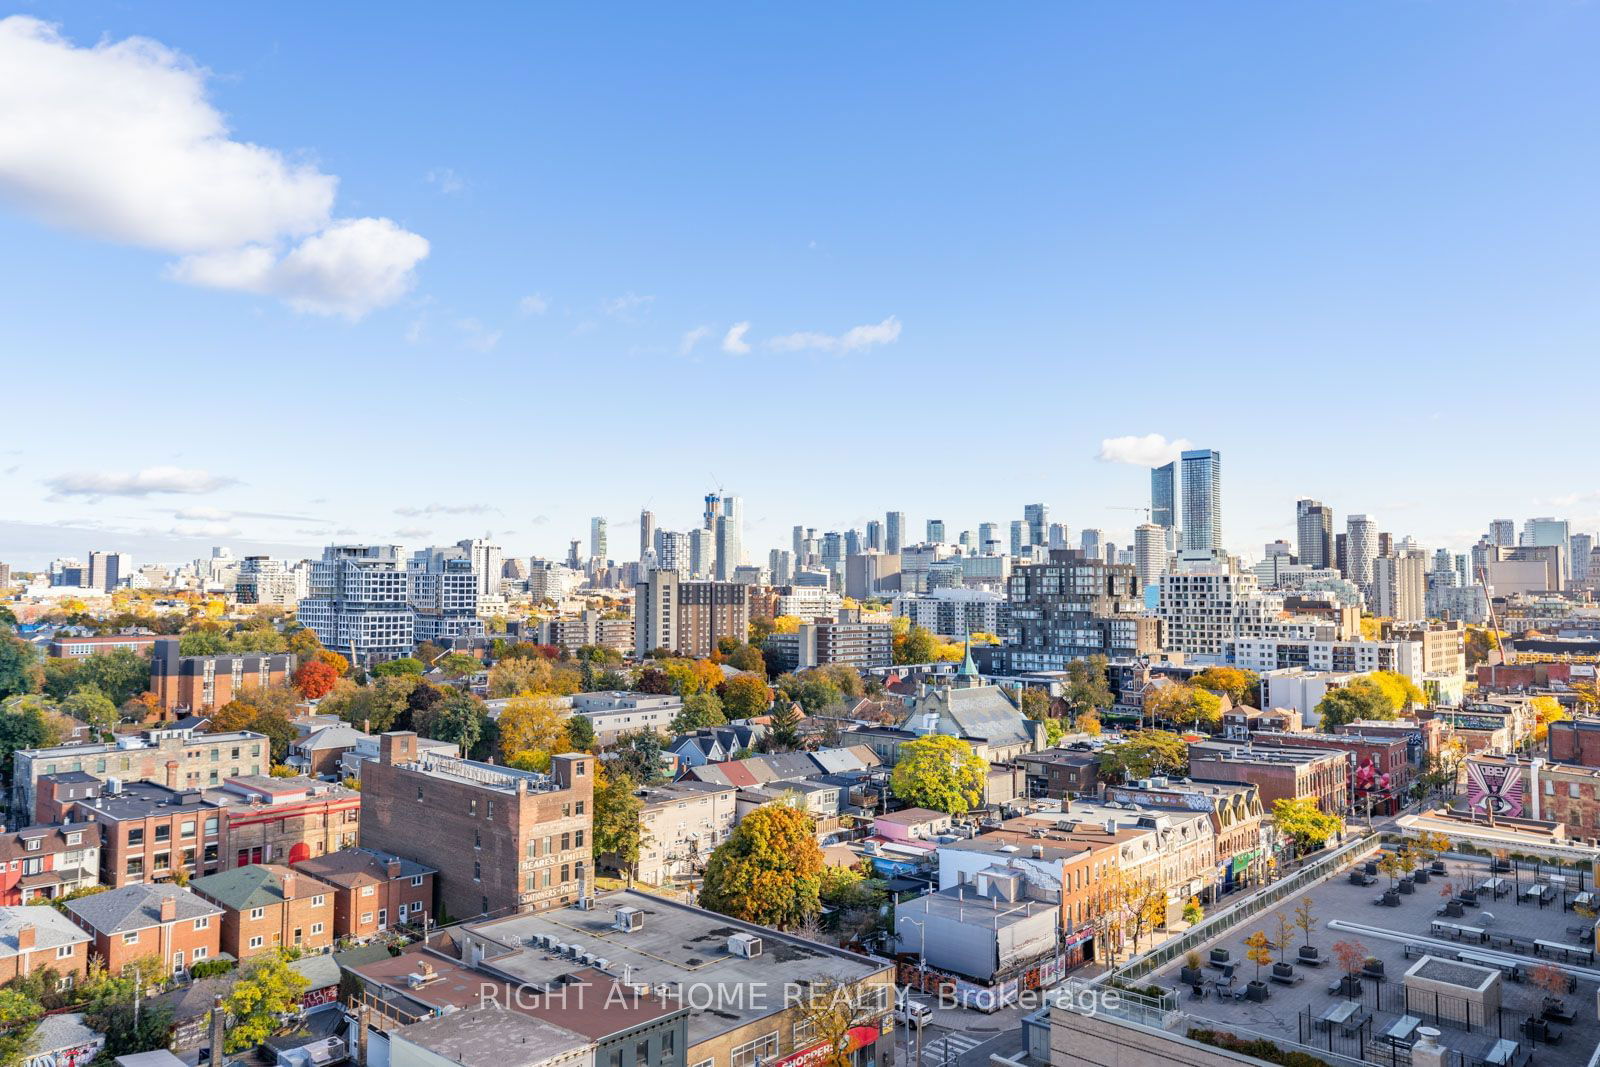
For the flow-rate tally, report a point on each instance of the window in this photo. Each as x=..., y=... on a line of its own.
x=477, y=871
x=366, y=890
x=577, y=839
x=203, y=922
x=64, y=952
x=200, y=953
x=187, y=829
x=419, y=794
x=416, y=880
x=75, y=839
x=131, y=937
x=316, y=928
x=566, y=842
x=366, y=917
x=136, y=835
x=163, y=833
x=211, y=826
x=316, y=901
x=33, y=846
x=258, y=913
x=763, y=1048
x=578, y=807
x=641, y=1053
x=64, y=983
x=257, y=941
x=669, y=1044
x=477, y=839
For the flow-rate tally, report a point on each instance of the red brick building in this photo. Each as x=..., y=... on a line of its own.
x=78, y=647
x=1279, y=773
x=502, y=840
x=33, y=939
x=372, y=891
x=267, y=906
x=1380, y=767
x=45, y=862
x=200, y=683
x=139, y=921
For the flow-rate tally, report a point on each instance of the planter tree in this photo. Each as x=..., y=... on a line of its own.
x=1389, y=864
x=1550, y=978
x=1258, y=950
x=1351, y=956
x=1305, y=918
x=1285, y=939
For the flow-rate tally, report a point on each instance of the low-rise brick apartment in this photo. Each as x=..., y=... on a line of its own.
x=502, y=840
x=266, y=906
x=176, y=757
x=139, y=921
x=63, y=647
x=372, y=891
x=200, y=683
x=36, y=938
x=1373, y=760
x=44, y=862
x=1280, y=773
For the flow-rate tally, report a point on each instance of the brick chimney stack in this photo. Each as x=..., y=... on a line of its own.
x=397, y=746
x=394, y=868
x=218, y=1031
x=27, y=937
x=169, y=908
x=290, y=882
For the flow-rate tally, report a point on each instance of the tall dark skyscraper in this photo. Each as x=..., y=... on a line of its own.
x=1164, y=494
x=894, y=529
x=1313, y=522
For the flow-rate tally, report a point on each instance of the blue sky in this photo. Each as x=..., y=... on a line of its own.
x=1351, y=246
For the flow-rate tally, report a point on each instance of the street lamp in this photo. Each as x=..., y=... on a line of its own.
x=922, y=977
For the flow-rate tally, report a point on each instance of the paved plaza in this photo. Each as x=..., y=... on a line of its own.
x=1499, y=933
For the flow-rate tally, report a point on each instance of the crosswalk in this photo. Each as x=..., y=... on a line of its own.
x=948, y=1048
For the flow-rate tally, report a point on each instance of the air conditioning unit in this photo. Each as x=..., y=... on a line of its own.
x=629, y=919
x=746, y=945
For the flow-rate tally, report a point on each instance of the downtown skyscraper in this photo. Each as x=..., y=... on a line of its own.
x=1163, y=495
x=1202, y=501
x=1313, y=522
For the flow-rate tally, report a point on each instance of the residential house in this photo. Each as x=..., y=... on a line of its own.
x=45, y=862
x=372, y=890
x=139, y=921
x=37, y=937
x=267, y=907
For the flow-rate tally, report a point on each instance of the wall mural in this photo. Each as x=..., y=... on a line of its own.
x=1495, y=789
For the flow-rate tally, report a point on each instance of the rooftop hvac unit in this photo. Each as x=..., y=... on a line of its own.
x=629, y=919
x=746, y=945
x=602, y=963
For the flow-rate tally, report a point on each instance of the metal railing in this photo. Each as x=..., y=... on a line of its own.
x=1220, y=923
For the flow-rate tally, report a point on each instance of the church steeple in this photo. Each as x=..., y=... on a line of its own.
x=967, y=674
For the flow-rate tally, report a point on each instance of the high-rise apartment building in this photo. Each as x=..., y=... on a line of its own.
x=780, y=565
x=1073, y=606
x=1582, y=550
x=1149, y=552
x=1502, y=532
x=1164, y=495
x=1400, y=586
x=874, y=541
x=1202, y=501
x=988, y=537
x=1037, y=516
x=444, y=594
x=688, y=617
x=702, y=553
x=672, y=551
x=1313, y=522
x=894, y=531
x=264, y=580
x=597, y=539
x=1361, y=549
x=357, y=602
x=488, y=563
x=1539, y=532
x=1019, y=536
x=936, y=530
x=107, y=570
x=647, y=532
x=1058, y=536
x=1090, y=543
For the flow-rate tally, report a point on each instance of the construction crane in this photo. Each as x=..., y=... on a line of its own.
x=1124, y=507
x=1507, y=655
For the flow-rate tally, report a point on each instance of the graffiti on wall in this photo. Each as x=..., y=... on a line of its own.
x=1495, y=789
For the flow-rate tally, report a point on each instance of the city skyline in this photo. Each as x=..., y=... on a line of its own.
x=618, y=259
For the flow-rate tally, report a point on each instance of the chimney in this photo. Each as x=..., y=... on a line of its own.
x=366, y=725
x=361, y=1035
x=172, y=774
x=290, y=882
x=393, y=868
x=218, y=1031
x=169, y=908
x=397, y=746
x=27, y=937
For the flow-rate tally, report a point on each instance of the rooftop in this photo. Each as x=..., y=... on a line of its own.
x=134, y=743
x=359, y=866
x=675, y=946
x=256, y=885
x=912, y=817
x=136, y=907
x=491, y=1036
x=51, y=929
x=484, y=775
x=962, y=904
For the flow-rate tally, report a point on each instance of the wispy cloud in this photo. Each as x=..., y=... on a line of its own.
x=412, y=532
x=733, y=341
x=1150, y=450
x=692, y=338
x=853, y=340
x=147, y=482
x=624, y=305
x=120, y=141
x=446, y=181
x=477, y=336
x=447, y=509
x=533, y=304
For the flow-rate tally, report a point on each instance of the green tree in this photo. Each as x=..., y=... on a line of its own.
x=121, y=674
x=395, y=667
x=916, y=645
x=266, y=990
x=637, y=754
x=783, y=730
x=460, y=665
x=458, y=717
x=1035, y=703
x=1088, y=686
x=1307, y=825
x=19, y=666
x=617, y=832
x=580, y=733
x=769, y=871
x=279, y=730
x=88, y=704
x=1145, y=752
x=745, y=697
x=19, y=1016
x=27, y=722
x=699, y=710
x=1358, y=699
x=939, y=772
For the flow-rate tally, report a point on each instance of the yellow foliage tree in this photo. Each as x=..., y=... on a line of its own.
x=1547, y=710
x=532, y=724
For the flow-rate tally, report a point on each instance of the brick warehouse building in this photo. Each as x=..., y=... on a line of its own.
x=502, y=840
x=1371, y=758
x=1280, y=773
x=201, y=683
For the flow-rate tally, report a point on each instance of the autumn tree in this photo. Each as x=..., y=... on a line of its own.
x=1143, y=753
x=1546, y=711
x=939, y=772
x=1305, y=917
x=1088, y=688
x=617, y=832
x=1302, y=822
x=745, y=697
x=1237, y=684
x=534, y=725
x=831, y=1010
x=1184, y=705
x=315, y=679
x=769, y=871
x=700, y=710
x=1258, y=950
x=916, y=645
x=267, y=991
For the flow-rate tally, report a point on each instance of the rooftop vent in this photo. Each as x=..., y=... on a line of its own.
x=746, y=945
x=629, y=919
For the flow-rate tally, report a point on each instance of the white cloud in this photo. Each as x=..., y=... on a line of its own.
x=205, y=529
x=445, y=509
x=533, y=304
x=202, y=514
x=852, y=340
x=477, y=336
x=119, y=141
x=1151, y=450
x=412, y=532
x=446, y=181
x=146, y=482
x=734, y=340
x=692, y=338
x=620, y=306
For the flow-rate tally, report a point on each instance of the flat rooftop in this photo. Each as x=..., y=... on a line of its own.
x=492, y=1037
x=960, y=903
x=483, y=775
x=677, y=946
